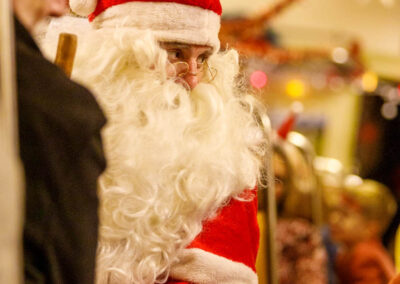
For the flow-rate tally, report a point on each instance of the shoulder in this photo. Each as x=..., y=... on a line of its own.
x=365, y=250
x=371, y=253
x=37, y=75
x=46, y=94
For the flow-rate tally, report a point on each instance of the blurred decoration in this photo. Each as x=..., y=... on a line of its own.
x=300, y=72
x=254, y=37
x=251, y=28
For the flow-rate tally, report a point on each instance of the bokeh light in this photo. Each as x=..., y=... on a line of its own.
x=388, y=3
x=369, y=81
x=352, y=180
x=398, y=90
x=258, y=79
x=340, y=55
x=393, y=94
x=295, y=88
x=389, y=110
x=297, y=107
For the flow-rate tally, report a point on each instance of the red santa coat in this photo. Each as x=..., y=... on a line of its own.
x=226, y=249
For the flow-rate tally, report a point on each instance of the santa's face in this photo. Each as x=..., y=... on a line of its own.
x=188, y=62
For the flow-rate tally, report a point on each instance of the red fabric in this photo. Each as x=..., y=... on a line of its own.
x=234, y=233
x=396, y=279
x=287, y=126
x=212, y=5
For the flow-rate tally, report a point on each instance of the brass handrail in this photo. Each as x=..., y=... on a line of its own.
x=270, y=208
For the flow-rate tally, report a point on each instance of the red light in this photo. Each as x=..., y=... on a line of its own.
x=398, y=90
x=258, y=79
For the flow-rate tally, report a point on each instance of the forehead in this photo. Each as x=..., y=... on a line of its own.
x=185, y=46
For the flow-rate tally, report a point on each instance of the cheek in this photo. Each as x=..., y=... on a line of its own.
x=201, y=76
x=171, y=71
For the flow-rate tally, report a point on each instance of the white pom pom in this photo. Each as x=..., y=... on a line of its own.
x=83, y=7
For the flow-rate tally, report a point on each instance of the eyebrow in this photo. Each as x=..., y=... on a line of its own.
x=175, y=45
x=184, y=46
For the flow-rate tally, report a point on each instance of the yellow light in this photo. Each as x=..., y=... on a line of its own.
x=369, y=81
x=295, y=88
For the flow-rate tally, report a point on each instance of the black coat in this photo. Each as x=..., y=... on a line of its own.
x=62, y=155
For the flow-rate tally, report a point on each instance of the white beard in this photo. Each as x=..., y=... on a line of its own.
x=174, y=157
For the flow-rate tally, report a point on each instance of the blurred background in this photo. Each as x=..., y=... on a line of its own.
x=333, y=66
x=341, y=60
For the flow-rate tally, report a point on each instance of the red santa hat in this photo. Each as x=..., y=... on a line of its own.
x=185, y=21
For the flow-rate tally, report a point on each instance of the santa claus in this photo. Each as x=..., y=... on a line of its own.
x=184, y=147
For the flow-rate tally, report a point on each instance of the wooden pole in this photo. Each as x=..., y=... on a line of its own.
x=66, y=51
x=11, y=190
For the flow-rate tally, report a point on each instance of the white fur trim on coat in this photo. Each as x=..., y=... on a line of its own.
x=170, y=22
x=199, y=266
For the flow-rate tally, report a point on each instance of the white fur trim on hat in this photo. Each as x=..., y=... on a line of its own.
x=199, y=266
x=83, y=7
x=170, y=22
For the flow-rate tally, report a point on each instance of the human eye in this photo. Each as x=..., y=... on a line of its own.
x=174, y=55
x=202, y=58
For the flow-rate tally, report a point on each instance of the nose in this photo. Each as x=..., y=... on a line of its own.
x=192, y=77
